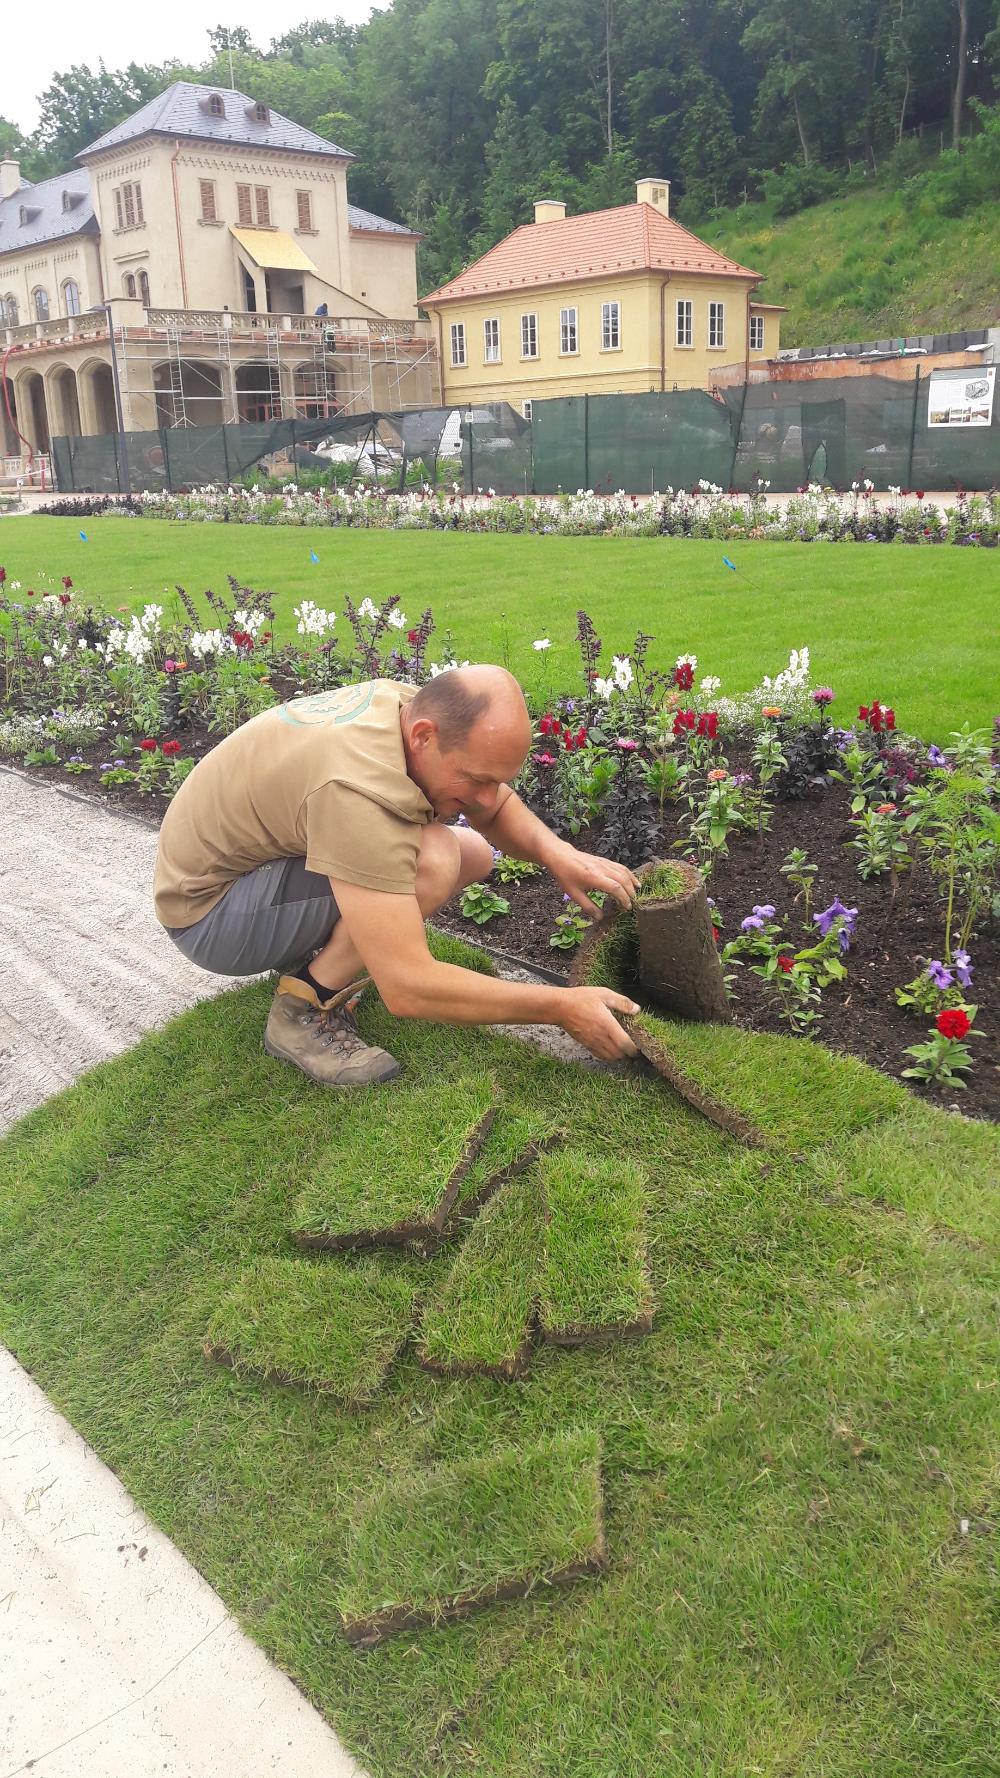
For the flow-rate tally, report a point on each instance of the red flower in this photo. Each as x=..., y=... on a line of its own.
x=953, y=1022
x=786, y=964
x=715, y=934
x=684, y=676
x=243, y=639
x=67, y=582
x=890, y=719
x=863, y=713
x=708, y=724
x=30, y=593
x=920, y=493
x=171, y=747
x=545, y=725
x=148, y=746
x=684, y=719
x=581, y=735
x=411, y=635
x=3, y=575
x=265, y=635
x=570, y=741
x=65, y=598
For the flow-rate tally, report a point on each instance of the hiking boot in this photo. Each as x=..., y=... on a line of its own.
x=321, y=1038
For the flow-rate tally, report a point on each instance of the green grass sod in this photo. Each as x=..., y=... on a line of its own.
x=910, y=625
x=595, y=1275
x=481, y=1321
x=663, y=882
x=395, y=1169
x=433, y=1549
x=789, y=1455
x=328, y=1327
x=652, y=1040
x=608, y=955
x=516, y=1139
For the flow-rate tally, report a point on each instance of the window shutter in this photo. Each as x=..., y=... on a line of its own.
x=304, y=201
x=244, y=208
x=137, y=189
x=263, y=207
x=118, y=207
x=207, y=200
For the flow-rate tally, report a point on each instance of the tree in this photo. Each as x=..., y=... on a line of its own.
x=79, y=106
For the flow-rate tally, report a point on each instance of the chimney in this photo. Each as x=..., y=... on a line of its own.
x=549, y=210
x=10, y=176
x=655, y=192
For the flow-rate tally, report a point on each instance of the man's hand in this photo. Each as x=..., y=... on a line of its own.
x=579, y=872
x=588, y=1015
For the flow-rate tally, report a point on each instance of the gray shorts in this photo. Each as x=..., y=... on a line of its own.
x=276, y=917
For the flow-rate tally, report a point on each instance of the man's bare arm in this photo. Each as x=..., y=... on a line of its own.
x=516, y=831
x=388, y=933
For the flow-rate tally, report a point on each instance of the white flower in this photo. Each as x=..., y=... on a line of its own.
x=687, y=660
x=710, y=683
x=543, y=642
x=82, y=642
x=604, y=688
x=397, y=620
x=622, y=671
x=367, y=609
x=47, y=661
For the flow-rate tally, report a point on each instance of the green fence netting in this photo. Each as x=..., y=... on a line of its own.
x=833, y=430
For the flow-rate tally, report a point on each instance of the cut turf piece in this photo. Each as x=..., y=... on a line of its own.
x=652, y=1038
x=608, y=954
x=432, y=1548
x=595, y=1284
x=382, y=1189
x=332, y=1328
x=482, y=1321
x=514, y=1144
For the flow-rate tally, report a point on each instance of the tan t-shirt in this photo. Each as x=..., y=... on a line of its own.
x=322, y=778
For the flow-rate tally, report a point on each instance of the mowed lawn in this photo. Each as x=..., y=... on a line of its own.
x=915, y=627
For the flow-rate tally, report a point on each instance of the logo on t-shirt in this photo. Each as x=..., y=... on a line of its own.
x=339, y=706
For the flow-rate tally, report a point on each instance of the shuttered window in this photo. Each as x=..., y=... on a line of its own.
x=207, y=188
x=244, y=206
x=303, y=200
x=263, y=206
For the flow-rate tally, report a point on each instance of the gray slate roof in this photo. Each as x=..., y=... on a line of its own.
x=52, y=222
x=376, y=225
x=181, y=111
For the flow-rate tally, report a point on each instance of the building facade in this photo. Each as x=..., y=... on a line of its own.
x=215, y=239
x=611, y=302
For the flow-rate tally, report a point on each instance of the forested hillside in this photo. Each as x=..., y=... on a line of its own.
x=461, y=112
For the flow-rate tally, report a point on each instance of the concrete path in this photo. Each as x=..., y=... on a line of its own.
x=117, y=1660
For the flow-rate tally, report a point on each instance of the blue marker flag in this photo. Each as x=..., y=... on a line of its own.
x=729, y=564
x=313, y=557
x=83, y=534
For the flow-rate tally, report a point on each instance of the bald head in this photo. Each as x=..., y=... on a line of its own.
x=461, y=700
x=466, y=734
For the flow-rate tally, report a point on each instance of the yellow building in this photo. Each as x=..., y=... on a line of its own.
x=611, y=302
x=241, y=282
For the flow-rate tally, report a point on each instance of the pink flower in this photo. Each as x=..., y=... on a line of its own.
x=626, y=745
x=543, y=759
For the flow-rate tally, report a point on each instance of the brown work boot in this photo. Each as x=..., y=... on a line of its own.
x=322, y=1039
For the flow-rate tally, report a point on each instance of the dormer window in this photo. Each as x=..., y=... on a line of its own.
x=259, y=113
x=67, y=201
x=27, y=213
x=216, y=106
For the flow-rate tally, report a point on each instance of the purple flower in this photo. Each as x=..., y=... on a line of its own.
x=765, y=911
x=105, y=765
x=76, y=759
x=963, y=968
x=119, y=762
x=461, y=821
x=940, y=976
x=741, y=778
x=751, y=924
x=497, y=854
x=936, y=757
x=822, y=695
x=837, y=911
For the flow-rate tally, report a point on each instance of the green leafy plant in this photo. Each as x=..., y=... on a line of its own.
x=515, y=870
x=801, y=874
x=481, y=903
x=945, y=1057
x=41, y=756
x=572, y=924
x=879, y=842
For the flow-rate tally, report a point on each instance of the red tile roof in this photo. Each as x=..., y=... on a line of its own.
x=630, y=238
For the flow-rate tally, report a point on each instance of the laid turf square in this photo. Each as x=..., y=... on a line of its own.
x=397, y=1166
x=595, y=1282
x=330, y=1327
x=481, y=1320
x=433, y=1548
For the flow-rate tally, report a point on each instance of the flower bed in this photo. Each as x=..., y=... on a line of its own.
x=813, y=515
x=854, y=871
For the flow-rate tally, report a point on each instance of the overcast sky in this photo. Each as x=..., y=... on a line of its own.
x=35, y=46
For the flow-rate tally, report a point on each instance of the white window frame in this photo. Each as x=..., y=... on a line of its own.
x=491, y=340
x=756, y=333
x=716, y=326
x=684, y=328
x=529, y=334
x=71, y=297
x=459, y=347
x=569, y=332
x=526, y=410
x=40, y=301
x=611, y=325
